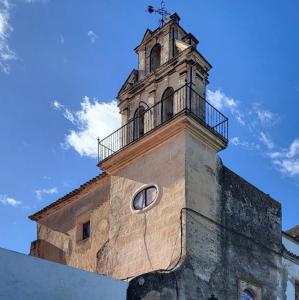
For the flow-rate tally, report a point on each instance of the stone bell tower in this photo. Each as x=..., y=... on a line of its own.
x=163, y=160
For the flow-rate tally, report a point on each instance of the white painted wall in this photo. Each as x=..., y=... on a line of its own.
x=292, y=269
x=30, y=278
x=290, y=245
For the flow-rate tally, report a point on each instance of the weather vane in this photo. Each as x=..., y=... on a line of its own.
x=161, y=11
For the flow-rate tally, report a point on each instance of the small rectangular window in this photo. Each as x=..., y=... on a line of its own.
x=86, y=230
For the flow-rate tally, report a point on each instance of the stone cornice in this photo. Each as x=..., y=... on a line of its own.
x=182, y=60
x=182, y=122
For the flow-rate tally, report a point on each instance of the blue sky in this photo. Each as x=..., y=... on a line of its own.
x=62, y=63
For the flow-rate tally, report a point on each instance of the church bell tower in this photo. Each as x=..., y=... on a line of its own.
x=163, y=159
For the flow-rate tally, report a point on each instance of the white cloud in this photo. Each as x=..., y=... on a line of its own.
x=293, y=149
x=266, y=117
x=6, y=54
x=94, y=120
x=61, y=38
x=254, y=118
x=289, y=167
x=236, y=141
x=287, y=160
x=92, y=36
x=240, y=118
x=9, y=201
x=36, y=1
x=222, y=102
x=66, y=112
x=266, y=140
x=69, y=116
x=57, y=105
x=261, y=117
x=275, y=155
x=40, y=193
x=291, y=152
x=219, y=100
x=257, y=119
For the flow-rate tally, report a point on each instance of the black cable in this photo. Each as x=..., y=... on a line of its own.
x=176, y=286
x=187, y=209
x=231, y=230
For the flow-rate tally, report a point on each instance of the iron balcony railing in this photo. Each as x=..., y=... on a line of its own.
x=183, y=100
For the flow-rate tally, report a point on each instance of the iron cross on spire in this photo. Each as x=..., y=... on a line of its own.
x=161, y=11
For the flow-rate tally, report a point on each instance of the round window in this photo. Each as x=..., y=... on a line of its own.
x=145, y=197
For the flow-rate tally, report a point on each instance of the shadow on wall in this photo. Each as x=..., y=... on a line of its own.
x=45, y=250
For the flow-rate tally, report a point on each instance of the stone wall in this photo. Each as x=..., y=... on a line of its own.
x=209, y=231
x=62, y=229
x=146, y=241
x=251, y=237
x=123, y=243
x=233, y=242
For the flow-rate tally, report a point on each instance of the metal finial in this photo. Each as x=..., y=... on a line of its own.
x=161, y=11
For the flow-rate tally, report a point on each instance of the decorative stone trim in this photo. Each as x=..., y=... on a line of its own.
x=154, y=203
x=251, y=287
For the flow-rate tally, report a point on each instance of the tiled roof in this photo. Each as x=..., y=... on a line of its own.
x=65, y=199
x=287, y=252
x=294, y=231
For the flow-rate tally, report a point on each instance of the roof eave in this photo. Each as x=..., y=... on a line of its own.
x=63, y=200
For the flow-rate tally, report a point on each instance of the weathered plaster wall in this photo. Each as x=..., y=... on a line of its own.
x=28, y=278
x=231, y=230
x=122, y=243
x=62, y=229
x=233, y=238
x=290, y=268
x=290, y=274
x=291, y=244
x=142, y=242
x=202, y=188
x=251, y=237
x=156, y=286
x=202, y=196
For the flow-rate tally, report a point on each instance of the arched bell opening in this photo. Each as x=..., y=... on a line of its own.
x=167, y=104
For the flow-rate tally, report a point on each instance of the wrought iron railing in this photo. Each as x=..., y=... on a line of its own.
x=183, y=100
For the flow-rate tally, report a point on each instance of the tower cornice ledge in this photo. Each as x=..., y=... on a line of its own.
x=181, y=123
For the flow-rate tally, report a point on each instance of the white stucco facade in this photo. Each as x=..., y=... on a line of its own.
x=28, y=278
x=290, y=267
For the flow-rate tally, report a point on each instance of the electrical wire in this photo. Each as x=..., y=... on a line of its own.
x=190, y=210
